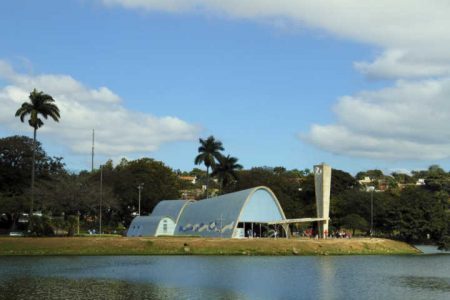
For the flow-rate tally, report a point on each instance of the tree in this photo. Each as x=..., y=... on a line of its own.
x=437, y=179
x=15, y=167
x=355, y=202
x=341, y=181
x=419, y=213
x=354, y=222
x=403, y=178
x=15, y=163
x=279, y=170
x=209, y=152
x=226, y=169
x=40, y=104
x=373, y=174
x=160, y=183
x=71, y=194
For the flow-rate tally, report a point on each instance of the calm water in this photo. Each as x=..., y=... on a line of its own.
x=201, y=277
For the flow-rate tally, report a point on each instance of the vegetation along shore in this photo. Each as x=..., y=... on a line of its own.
x=10, y=246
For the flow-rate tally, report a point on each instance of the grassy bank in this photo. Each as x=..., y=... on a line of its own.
x=198, y=246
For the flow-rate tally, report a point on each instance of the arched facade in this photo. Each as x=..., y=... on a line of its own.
x=221, y=216
x=239, y=214
x=162, y=221
x=166, y=226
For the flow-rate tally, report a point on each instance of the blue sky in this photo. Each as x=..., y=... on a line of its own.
x=277, y=86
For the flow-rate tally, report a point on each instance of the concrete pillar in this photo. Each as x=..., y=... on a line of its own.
x=322, y=182
x=286, y=230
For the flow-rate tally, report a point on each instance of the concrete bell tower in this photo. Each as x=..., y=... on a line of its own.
x=322, y=183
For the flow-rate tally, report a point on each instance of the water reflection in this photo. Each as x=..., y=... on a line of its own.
x=64, y=288
x=327, y=273
x=427, y=249
x=210, y=277
x=429, y=283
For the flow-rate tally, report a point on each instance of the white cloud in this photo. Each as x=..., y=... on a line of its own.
x=414, y=35
x=407, y=121
x=394, y=64
x=119, y=131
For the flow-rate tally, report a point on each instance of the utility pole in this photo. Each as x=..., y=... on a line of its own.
x=78, y=223
x=371, y=211
x=101, y=196
x=92, y=162
x=140, y=187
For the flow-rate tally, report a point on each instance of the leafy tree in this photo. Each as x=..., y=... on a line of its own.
x=436, y=179
x=419, y=174
x=40, y=105
x=15, y=167
x=16, y=160
x=444, y=243
x=341, y=181
x=209, y=152
x=279, y=170
x=356, y=202
x=11, y=206
x=403, y=178
x=355, y=222
x=160, y=183
x=226, y=169
x=373, y=174
x=72, y=194
x=197, y=172
x=41, y=226
x=299, y=173
x=419, y=213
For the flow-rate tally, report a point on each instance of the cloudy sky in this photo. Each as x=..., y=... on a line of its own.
x=356, y=84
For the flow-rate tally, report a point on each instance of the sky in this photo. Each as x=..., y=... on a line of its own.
x=356, y=84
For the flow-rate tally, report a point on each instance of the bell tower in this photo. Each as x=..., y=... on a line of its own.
x=322, y=183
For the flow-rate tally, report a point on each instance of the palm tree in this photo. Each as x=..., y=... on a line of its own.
x=40, y=104
x=226, y=169
x=209, y=152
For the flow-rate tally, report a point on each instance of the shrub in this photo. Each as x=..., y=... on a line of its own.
x=40, y=226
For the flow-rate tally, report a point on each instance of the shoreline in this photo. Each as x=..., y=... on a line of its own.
x=91, y=246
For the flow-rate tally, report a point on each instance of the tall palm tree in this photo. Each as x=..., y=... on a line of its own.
x=226, y=169
x=40, y=104
x=209, y=152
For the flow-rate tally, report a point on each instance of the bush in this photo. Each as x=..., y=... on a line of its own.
x=40, y=226
x=444, y=243
x=71, y=225
x=354, y=222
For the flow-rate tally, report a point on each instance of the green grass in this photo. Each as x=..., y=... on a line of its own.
x=107, y=245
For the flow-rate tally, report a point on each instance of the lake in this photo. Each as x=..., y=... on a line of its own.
x=215, y=277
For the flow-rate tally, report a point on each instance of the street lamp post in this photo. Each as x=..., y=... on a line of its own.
x=371, y=210
x=140, y=187
x=78, y=222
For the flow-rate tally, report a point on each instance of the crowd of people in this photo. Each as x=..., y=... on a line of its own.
x=339, y=234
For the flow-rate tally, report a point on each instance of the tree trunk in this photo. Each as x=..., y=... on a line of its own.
x=221, y=187
x=32, y=173
x=207, y=180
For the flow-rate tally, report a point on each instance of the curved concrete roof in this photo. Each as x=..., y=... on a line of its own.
x=143, y=226
x=147, y=225
x=218, y=216
x=170, y=208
